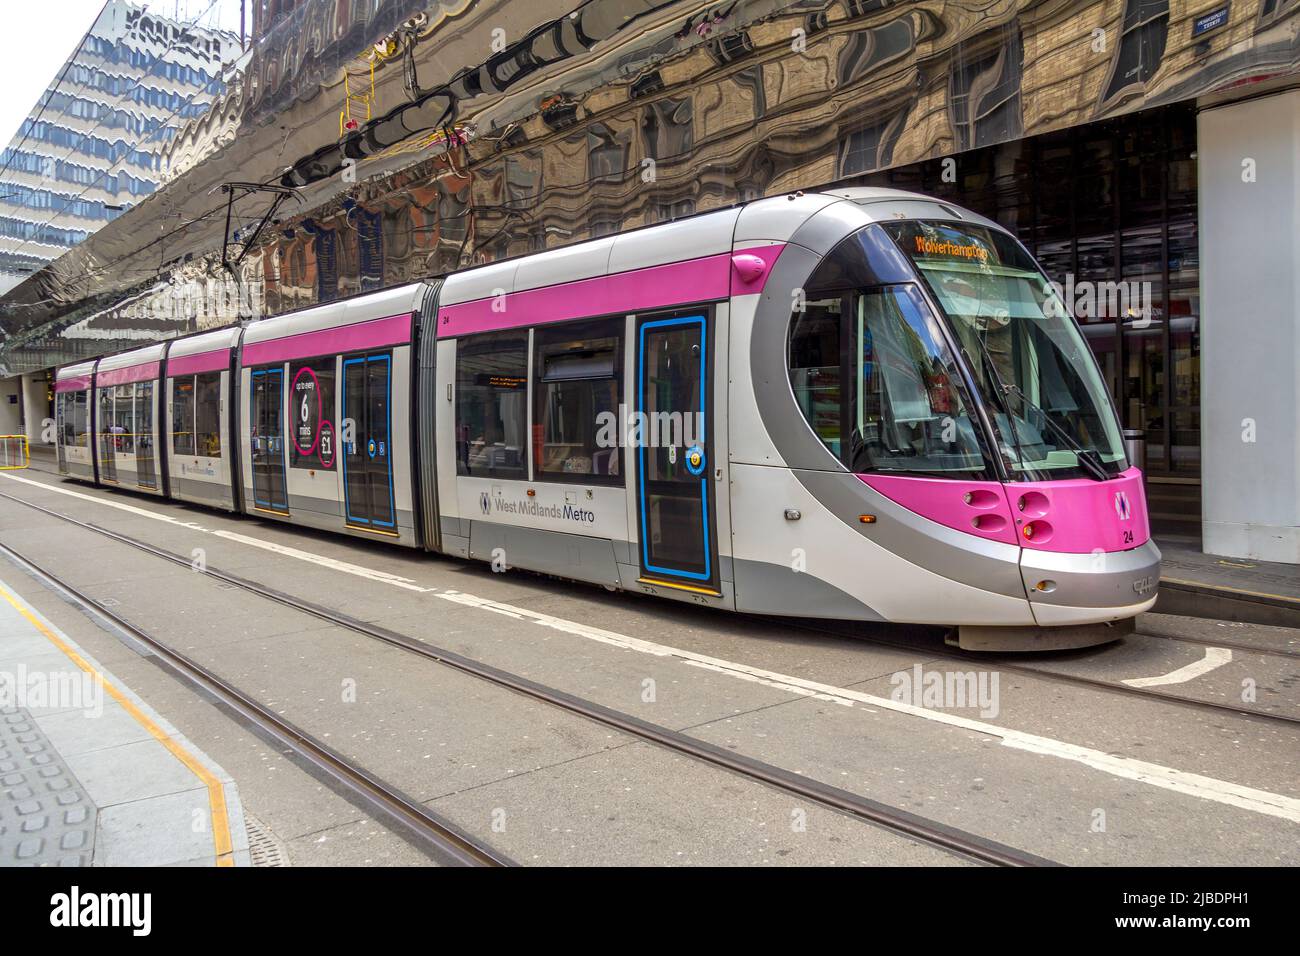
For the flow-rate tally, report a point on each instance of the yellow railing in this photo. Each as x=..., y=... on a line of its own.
x=13, y=452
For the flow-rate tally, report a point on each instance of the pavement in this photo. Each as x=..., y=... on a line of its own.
x=1232, y=589
x=90, y=774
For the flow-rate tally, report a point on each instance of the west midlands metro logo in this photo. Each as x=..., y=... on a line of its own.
x=485, y=502
x=1121, y=506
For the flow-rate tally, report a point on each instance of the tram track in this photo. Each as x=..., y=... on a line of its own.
x=958, y=842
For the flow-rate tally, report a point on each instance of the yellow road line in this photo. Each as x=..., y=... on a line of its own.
x=216, y=792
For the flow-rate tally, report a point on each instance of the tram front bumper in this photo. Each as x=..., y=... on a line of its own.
x=1066, y=589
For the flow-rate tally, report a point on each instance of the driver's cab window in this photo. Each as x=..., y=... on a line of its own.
x=877, y=383
x=909, y=414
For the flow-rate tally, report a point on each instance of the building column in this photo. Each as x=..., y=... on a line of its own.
x=36, y=408
x=11, y=419
x=1249, y=175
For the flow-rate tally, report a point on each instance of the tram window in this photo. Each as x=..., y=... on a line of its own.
x=491, y=409
x=183, y=415
x=873, y=377
x=207, y=414
x=144, y=417
x=81, y=420
x=815, y=363
x=123, y=427
x=311, y=406
x=579, y=374
x=73, y=428
x=62, y=411
x=105, y=421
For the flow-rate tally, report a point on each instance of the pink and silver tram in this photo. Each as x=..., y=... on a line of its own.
x=861, y=404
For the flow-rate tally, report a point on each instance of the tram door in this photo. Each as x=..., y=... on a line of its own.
x=144, y=469
x=106, y=440
x=367, y=450
x=267, y=438
x=674, y=497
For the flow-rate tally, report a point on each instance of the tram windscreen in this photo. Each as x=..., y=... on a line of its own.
x=1036, y=372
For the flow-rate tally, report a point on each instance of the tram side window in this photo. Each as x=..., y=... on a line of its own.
x=207, y=414
x=578, y=371
x=874, y=379
x=106, y=421
x=815, y=364
x=183, y=415
x=144, y=417
x=72, y=418
x=123, y=427
x=63, y=410
x=81, y=419
x=491, y=409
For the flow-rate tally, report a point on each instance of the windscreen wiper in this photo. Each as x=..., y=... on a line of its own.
x=1001, y=389
x=1087, y=456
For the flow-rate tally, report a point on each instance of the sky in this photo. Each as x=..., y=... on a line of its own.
x=39, y=36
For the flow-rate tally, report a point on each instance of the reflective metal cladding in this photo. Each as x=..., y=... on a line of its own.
x=422, y=137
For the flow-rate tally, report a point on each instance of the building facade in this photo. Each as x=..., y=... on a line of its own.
x=90, y=148
x=1142, y=149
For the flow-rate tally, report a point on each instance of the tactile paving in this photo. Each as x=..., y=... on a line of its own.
x=46, y=816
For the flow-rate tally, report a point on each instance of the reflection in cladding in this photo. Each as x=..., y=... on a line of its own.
x=478, y=152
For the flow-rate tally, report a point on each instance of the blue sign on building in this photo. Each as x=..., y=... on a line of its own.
x=1210, y=21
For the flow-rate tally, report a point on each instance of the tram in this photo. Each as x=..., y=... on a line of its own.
x=861, y=403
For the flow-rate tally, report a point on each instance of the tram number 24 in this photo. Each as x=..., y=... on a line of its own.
x=1128, y=537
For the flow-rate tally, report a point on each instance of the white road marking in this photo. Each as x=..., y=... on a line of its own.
x=1214, y=657
x=1141, y=771
x=1167, y=778
x=120, y=506
x=318, y=559
x=334, y=564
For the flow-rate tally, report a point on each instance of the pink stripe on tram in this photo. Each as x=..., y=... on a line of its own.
x=375, y=334
x=677, y=283
x=214, y=361
x=78, y=383
x=125, y=376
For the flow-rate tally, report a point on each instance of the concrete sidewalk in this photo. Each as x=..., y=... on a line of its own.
x=90, y=775
x=1233, y=589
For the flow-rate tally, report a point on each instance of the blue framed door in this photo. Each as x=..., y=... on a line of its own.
x=674, y=498
x=367, y=445
x=267, y=439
